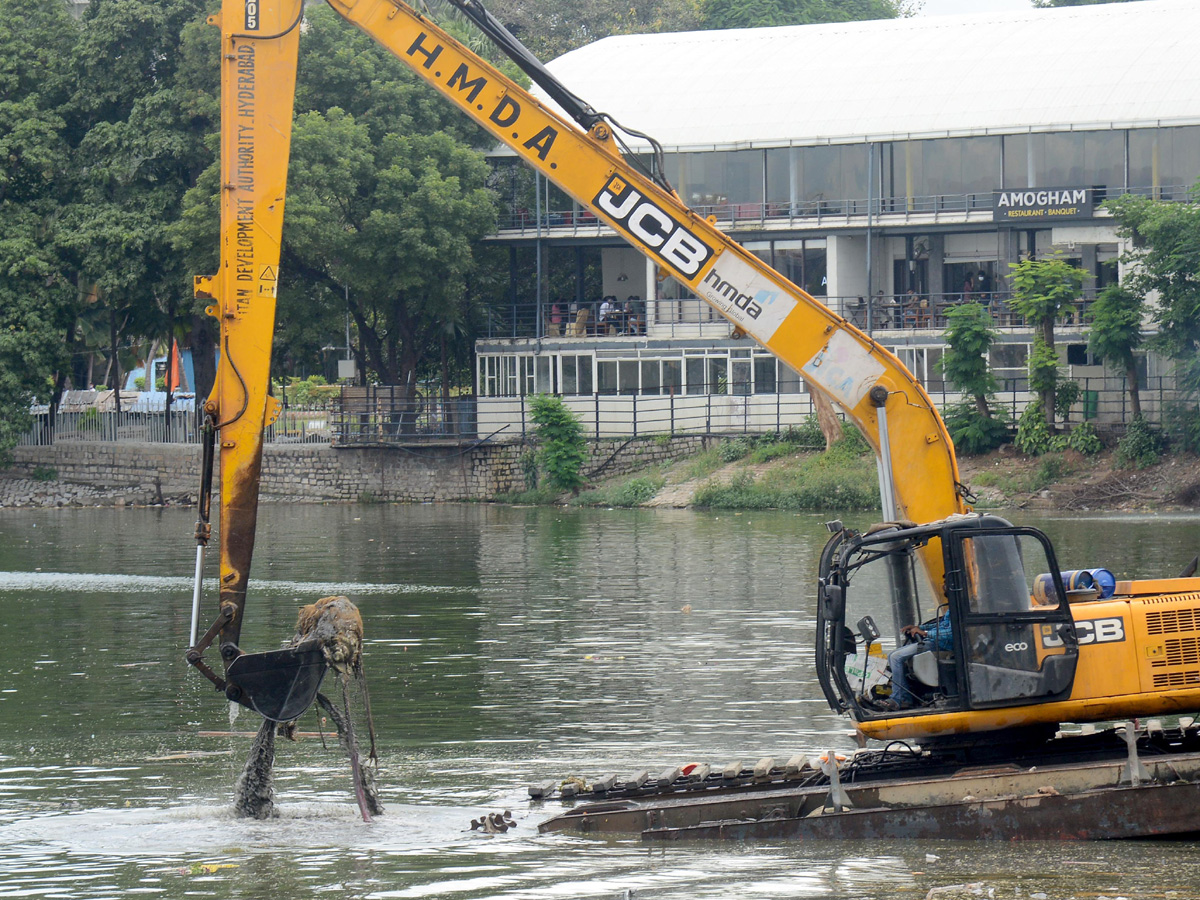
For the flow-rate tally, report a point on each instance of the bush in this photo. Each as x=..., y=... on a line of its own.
x=1065, y=396
x=1182, y=427
x=733, y=450
x=808, y=434
x=973, y=433
x=844, y=478
x=528, y=461
x=563, y=449
x=1083, y=439
x=1033, y=433
x=44, y=473
x=1140, y=446
x=634, y=492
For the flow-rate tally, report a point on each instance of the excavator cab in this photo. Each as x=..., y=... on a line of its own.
x=1000, y=632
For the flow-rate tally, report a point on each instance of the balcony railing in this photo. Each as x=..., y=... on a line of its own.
x=679, y=318
x=805, y=213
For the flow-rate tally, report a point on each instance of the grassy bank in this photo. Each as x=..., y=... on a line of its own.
x=843, y=478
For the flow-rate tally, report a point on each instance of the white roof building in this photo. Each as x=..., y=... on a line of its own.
x=1106, y=66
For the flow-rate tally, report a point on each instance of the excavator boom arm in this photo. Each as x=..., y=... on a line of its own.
x=258, y=59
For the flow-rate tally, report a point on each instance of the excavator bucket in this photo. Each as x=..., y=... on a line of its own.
x=280, y=684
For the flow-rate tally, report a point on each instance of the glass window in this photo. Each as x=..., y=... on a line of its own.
x=789, y=380
x=672, y=376
x=606, y=376
x=695, y=374
x=1004, y=574
x=764, y=375
x=546, y=370
x=528, y=377
x=718, y=375
x=584, y=368
x=1065, y=159
x=816, y=278
x=1164, y=157
x=718, y=178
x=651, y=382
x=949, y=166
x=509, y=387
x=570, y=383
x=1009, y=356
x=627, y=376
x=805, y=180
x=740, y=382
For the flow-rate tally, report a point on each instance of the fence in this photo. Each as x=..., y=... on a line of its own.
x=580, y=222
x=380, y=416
x=294, y=426
x=676, y=318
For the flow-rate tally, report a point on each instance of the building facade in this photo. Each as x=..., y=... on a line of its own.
x=892, y=169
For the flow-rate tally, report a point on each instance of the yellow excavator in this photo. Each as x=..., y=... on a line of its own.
x=1026, y=648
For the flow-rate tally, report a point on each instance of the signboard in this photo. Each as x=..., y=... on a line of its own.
x=1042, y=204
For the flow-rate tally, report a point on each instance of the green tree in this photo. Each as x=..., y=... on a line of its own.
x=563, y=448
x=760, y=13
x=133, y=145
x=37, y=298
x=552, y=29
x=1166, y=260
x=1043, y=290
x=1116, y=334
x=969, y=336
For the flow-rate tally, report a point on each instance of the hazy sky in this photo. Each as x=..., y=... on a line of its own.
x=950, y=7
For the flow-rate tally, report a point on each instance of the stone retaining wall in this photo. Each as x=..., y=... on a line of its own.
x=96, y=472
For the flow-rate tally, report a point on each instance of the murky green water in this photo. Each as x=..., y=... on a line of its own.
x=504, y=646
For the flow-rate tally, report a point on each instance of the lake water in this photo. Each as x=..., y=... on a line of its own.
x=505, y=646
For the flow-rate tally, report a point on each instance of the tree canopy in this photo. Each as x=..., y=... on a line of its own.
x=760, y=13
x=1166, y=251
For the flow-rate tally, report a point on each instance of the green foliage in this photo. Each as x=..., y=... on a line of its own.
x=1033, y=433
x=1066, y=395
x=1166, y=240
x=1116, y=325
x=1044, y=288
x=44, y=473
x=1182, y=427
x=760, y=13
x=1043, y=366
x=308, y=393
x=735, y=449
x=836, y=480
x=1083, y=439
x=1051, y=468
x=139, y=383
x=528, y=461
x=634, y=492
x=551, y=29
x=969, y=335
x=702, y=464
x=1140, y=446
x=973, y=433
x=563, y=449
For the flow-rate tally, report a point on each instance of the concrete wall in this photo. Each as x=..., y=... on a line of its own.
x=149, y=473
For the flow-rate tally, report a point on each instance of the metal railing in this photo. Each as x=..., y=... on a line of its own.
x=677, y=318
x=576, y=221
x=381, y=416
x=294, y=426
